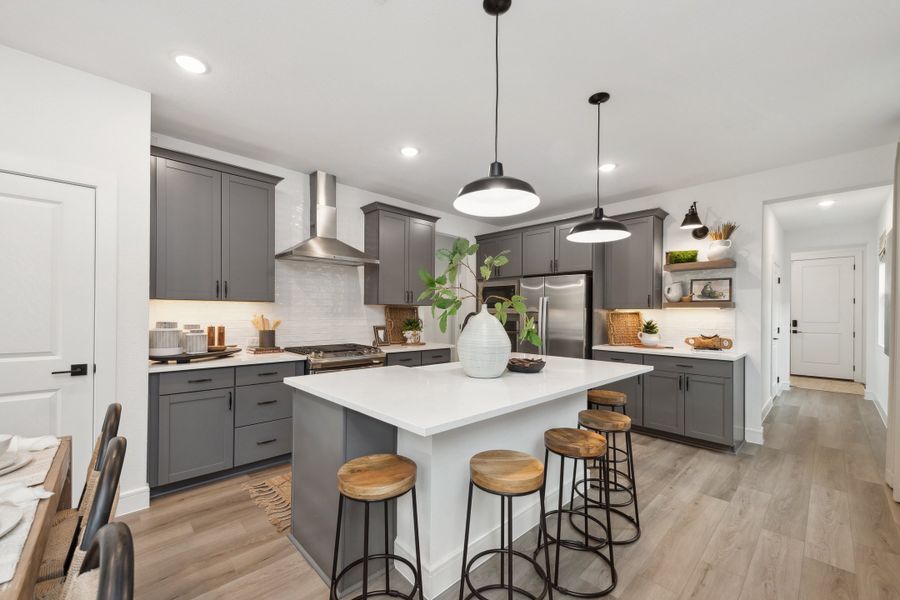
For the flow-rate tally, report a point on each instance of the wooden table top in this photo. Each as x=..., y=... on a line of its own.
x=58, y=481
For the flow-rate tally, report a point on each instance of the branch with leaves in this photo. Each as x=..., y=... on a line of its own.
x=446, y=293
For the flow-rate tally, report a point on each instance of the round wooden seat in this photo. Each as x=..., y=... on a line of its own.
x=575, y=443
x=604, y=420
x=607, y=397
x=376, y=477
x=506, y=472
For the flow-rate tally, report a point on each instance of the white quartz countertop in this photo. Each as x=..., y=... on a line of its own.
x=683, y=350
x=437, y=398
x=421, y=348
x=240, y=359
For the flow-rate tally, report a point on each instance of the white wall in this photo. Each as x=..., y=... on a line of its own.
x=68, y=120
x=741, y=199
x=877, y=362
x=774, y=253
x=316, y=302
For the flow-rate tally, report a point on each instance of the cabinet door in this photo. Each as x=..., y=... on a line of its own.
x=196, y=434
x=248, y=239
x=664, y=401
x=420, y=255
x=489, y=247
x=707, y=408
x=187, y=232
x=538, y=251
x=513, y=243
x=393, y=231
x=632, y=387
x=571, y=257
x=629, y=267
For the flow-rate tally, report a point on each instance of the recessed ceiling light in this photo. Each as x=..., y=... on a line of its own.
x=409, y=151
x=826, y=203
x=191, y=64
x=608, y=167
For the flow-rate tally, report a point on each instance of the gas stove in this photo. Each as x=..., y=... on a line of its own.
x=327, y=358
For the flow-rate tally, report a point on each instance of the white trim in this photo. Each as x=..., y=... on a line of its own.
x=133, y=500
x=858, y=254
x=753, y=435
x=871, y=397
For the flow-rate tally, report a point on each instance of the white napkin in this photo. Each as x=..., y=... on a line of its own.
x=20, y=494
x=32, y=444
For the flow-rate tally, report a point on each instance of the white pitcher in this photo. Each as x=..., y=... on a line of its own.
x=675, y=291
x=719, y=249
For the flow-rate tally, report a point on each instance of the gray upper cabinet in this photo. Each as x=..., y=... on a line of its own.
x=403, y=241
x=496, y=244
x=212, y=230
x=248, y=236
x=187, y=262
x=632, y=269
x=538, y=250
x=571, y=257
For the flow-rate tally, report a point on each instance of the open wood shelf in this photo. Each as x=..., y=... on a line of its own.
x=725, y=263
x=698, y=304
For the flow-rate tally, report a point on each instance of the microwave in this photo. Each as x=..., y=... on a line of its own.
x=504, y=288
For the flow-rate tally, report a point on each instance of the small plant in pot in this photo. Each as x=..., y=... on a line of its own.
x=412, y=330
x=484, y=345
x=649, y=333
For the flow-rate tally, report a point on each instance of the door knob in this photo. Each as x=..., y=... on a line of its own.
x=74, y=371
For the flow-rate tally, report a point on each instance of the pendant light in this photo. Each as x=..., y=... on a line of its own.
x=691, y=218
x=496, y=195
x=599, y=229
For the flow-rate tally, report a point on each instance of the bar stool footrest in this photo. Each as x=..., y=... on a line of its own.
x=503, y=553
x=387, y=593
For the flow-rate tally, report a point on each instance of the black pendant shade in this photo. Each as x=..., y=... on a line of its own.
x=496, y=195
x=600, y=228
x=691, y=218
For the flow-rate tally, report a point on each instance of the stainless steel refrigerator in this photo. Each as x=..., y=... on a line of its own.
x=561, y=305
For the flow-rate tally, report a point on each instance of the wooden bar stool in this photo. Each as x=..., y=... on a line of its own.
x=614, y=401
x=600, y=398
x=582, y=446
x=606, y=423
x=508, y=474
x=369, y=479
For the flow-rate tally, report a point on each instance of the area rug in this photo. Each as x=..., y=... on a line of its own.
x=828, y=385
x=274, y=496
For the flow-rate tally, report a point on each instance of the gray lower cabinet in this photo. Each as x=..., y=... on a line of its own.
x=207, y=421
x=403, y=241
x=692, y=398
x=196, y=434
x=212, y=230
x=417, y=358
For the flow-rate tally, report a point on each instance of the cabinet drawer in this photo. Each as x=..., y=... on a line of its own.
x=404, y=359
x=260, y=403
x=261, y=441
x=269, y=373
x=699, y=366
x=621, y=357
x=434, y=357
x=195, y=381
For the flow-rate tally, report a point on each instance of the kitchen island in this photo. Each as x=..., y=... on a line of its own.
x=439, y=418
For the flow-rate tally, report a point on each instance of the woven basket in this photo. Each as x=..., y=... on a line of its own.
x=393, y=320
x=622, y=328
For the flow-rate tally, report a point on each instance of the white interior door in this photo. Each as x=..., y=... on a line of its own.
x=822, y=317
x=47, y=311
x=777, y=326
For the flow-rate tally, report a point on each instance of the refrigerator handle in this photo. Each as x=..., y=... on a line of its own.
x=546, y=313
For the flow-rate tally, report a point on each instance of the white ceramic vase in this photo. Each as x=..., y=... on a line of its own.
x=719, y=249
x=483, y=346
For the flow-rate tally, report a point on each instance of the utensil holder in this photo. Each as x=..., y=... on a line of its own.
x=266, y=338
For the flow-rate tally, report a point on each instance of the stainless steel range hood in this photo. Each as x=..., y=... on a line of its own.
x=323, y=245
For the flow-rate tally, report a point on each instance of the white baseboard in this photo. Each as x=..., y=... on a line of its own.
x=133, y=500
x=767, y=408
x=753, y=436
x=874, y=399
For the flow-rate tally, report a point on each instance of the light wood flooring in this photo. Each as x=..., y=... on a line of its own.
x=828, y=385
x=804, y=516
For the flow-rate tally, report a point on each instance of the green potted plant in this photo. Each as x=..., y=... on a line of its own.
x=649, y=333
x=483, y=346
x=412, y=330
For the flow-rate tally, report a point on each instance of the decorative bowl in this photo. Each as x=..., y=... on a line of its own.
x=525, y=365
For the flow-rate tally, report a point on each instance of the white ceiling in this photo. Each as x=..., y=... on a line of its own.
x=849, y=208
x=701, y=89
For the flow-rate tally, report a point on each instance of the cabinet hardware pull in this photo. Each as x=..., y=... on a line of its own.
x=264, y=442
x=226, y=288
x=684, y=366
x=648, y=300
x=404, y=359
x=639, y=377
x=267, y=373
x=551, y=265
x=229, y=400
x=687, y=383
x=617, y=359
x=437, y=356
x=265, y=402
x=217, y=288
x=679, y=382
x=205, y=380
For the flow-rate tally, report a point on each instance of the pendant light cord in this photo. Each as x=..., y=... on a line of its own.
x=598, y=155
x=496, y=81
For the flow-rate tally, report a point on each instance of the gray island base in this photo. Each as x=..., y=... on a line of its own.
x=439, y=418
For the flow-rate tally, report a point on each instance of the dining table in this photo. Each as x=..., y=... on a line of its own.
x=58, y=481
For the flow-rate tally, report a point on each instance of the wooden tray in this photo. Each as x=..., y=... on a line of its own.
x=393, y=320
x=186, y=358
x=622, y=328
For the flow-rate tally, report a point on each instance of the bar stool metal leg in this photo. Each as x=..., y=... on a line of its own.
x=462, y=576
